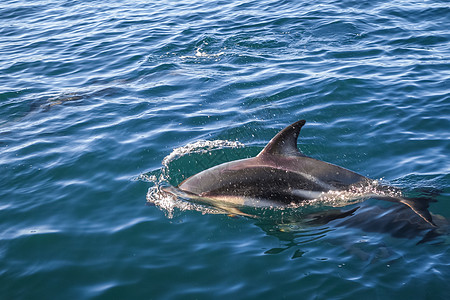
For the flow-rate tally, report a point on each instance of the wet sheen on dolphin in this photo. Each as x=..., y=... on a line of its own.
x=281, y=175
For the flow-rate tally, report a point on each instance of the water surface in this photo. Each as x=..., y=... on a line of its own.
x=95, y=94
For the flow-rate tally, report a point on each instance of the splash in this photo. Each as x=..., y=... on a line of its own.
x=170, y=203
x=199, y=147
x=200, y=53
x=355, y=194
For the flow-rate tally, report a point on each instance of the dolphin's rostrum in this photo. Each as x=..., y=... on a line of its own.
x=281, y=175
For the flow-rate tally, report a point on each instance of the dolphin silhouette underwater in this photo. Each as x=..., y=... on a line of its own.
x=282, y=175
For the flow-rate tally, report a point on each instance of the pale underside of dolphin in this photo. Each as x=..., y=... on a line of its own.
x=282, y=175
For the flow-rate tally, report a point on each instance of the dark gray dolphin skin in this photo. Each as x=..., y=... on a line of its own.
x=281, y=175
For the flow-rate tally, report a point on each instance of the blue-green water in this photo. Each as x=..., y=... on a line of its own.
x=95, y=94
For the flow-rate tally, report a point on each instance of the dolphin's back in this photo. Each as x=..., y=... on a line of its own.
x=280, y=179
x=282, y=173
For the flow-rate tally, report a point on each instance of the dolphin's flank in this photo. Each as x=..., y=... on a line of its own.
x=280, y=175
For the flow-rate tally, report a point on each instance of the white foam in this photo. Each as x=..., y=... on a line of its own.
x=202, y=54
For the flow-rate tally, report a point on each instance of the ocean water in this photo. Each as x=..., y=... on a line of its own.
x=102, y=102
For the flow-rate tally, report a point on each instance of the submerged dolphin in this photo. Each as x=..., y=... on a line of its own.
x=281, y=175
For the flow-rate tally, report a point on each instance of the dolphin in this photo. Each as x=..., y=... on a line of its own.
x=281, y=175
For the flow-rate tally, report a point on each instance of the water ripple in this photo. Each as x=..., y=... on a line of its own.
x=94, y=95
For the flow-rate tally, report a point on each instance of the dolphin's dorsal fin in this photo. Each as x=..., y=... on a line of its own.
x=285, y=142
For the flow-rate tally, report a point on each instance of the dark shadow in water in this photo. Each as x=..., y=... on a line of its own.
x=370, y=216
x=47, y=103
